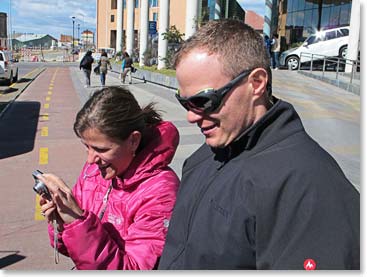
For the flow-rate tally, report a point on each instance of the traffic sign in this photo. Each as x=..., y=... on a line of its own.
x=152, y=27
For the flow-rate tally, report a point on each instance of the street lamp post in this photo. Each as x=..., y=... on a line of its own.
x=78, y=35
x=72, y=48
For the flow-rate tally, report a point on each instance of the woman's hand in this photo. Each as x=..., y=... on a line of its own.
x=62, y=200
x=48, y=209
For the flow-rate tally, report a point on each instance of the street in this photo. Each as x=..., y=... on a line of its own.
x=36, y=133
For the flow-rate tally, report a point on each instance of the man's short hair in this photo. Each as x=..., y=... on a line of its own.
x=238, y=46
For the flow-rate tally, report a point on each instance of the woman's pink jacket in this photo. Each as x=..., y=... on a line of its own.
x=132, y=232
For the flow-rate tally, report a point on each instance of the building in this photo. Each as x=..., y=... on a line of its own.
x=255, y=20
x=87, y=39
x=34, y=41
x=107, y=17
x=297, y=19
x=3, y=31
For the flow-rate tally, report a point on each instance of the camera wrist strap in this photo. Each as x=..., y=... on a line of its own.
x=56, y=240
x=105, y=200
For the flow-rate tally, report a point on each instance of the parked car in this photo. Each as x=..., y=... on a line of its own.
x=329, y=43
x=8, y=67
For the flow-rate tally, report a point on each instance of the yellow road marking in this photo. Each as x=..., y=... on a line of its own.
x=44, y=132
x=45, y=117
x=49, y=92
x=43, y=157
x=46, y=105
x=37, y=209
x=48, y=98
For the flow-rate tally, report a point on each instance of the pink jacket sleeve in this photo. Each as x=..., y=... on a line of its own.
x=91, y=246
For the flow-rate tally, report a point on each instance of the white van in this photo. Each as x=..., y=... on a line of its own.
x=8, y=67
x=330, y=43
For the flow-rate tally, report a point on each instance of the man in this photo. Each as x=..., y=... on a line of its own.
x=275, y=50
x=260, y=193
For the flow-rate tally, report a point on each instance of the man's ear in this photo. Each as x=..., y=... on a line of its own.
x=258, y=79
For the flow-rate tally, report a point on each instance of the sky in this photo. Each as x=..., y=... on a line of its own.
x=53, y=17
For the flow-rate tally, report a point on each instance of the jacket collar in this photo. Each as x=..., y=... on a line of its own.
x=267, y=130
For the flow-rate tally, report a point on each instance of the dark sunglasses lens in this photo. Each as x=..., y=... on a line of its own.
x=201, y=104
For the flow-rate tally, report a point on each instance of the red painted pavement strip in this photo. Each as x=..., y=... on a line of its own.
x=20, y=234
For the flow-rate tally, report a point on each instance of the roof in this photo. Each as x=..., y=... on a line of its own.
x=29, y=37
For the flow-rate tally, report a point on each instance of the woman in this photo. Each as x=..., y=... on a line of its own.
x=126, y=66
x=117, y=215
x=86, y=65
x=104, y=64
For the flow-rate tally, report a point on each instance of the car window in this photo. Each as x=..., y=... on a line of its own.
x=343, y=33
x=312, y=40
x=1, y=57
x=330, y=35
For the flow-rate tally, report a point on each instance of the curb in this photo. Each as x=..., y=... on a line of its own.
x=152, y=77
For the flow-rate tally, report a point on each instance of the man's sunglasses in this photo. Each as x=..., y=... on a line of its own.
x=209, y=99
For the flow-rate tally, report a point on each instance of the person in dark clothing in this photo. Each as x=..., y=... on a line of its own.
x=260, y=193
x=267, y=42
x=86, y=65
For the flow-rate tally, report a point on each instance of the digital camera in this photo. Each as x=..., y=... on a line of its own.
x=39, y=187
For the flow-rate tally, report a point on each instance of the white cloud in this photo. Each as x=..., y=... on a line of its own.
x=52, y=16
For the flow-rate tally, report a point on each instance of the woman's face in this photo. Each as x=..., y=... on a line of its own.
x=113, y=157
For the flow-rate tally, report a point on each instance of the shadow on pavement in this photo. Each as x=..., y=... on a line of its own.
x=8, y=90
x=24, y=80
x=18, y=128
x=10, y=258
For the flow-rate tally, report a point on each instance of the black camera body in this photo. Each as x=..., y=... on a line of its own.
x=39, y=187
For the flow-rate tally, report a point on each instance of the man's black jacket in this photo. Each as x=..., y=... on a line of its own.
x=273, y=199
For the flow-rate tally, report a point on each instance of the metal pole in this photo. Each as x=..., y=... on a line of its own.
x=72, y=47
x=78, y=35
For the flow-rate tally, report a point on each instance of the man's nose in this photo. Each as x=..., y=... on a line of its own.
x=193, y=117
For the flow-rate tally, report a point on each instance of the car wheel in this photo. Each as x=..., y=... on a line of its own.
x=15, y=79
x=292, y=63
x=10, y=80
x=343, y=52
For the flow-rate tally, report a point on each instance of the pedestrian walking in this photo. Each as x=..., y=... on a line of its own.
x=260, y=193
x=126, y=67
x=275, y=50
x=104, y=65
x=117, y=214
x=267, y=43
x=86, y=66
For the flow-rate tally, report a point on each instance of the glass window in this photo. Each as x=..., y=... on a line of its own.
x=330, y=35
x=299, y=16
x=300, y=5
x=310, y=4
x=113, y=4
x=290, y=6
x=343, y=33
x=334, y=16
x=153, y=3
x=124, y=4
x=289, y=22
x=325, y=17
x=345, y=14
x=136, y=3
x=1, y=57
x=312, y=39
x=155, y=16
x=112, y=18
